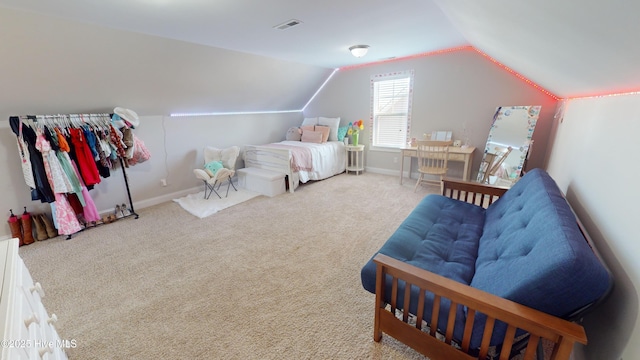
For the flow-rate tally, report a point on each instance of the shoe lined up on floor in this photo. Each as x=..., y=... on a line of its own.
x=23, y=227
x=41, y=230
x=119, y=212
x=48, y=226
x=125, y=211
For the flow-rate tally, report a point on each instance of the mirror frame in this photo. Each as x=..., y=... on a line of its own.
x=522, y=147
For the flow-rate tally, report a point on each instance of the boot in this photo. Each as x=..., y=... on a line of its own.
x=41, y=232
x=27, y=231
x=16, y=229
x=48, y=225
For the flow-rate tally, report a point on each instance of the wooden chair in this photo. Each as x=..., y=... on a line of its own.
x=485, y=166
x=494, y=161
x=433, y=157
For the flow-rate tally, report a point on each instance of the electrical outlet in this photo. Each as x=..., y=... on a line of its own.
x=163, y=182
x=395, y=160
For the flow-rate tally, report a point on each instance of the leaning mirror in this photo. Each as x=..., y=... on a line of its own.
x=508, y=144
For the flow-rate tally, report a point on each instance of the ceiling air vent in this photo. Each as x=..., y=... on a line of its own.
x=287, y=24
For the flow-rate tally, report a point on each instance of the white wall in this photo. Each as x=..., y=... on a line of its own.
x=451, y=90
x=593, y=159
x=175, y=144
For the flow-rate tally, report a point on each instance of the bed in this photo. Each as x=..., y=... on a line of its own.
x=300, y=161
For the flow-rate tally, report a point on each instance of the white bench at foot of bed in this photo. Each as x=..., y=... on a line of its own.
x=266, y=182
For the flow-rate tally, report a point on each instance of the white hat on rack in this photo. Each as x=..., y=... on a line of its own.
x=128, y=115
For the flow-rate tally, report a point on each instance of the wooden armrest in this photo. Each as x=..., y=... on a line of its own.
x=472, y=192
x=538, y=324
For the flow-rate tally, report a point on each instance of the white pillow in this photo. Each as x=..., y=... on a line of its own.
x=309, y=121
x=333, y=124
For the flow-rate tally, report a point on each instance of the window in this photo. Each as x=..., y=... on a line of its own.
x=391, y=108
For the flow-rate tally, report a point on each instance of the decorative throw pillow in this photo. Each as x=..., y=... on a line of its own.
x=312, y=136
x=342, y=132
x=294, y=134
x=325, y=130
x=332, y=123
x=307, y=128
x=212, y=167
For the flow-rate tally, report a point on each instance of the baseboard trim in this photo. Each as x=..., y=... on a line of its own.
x=169, y=197
x=382, y=171
x=391, y=172
x=164, y=198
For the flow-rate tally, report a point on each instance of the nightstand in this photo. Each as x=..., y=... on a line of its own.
x=355, y=158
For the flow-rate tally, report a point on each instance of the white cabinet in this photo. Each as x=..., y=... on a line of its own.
x=27, y=330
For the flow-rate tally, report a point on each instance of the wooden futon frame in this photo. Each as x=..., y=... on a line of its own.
x=441, y=346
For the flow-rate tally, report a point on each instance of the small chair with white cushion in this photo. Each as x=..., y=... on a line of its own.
x=219, y=166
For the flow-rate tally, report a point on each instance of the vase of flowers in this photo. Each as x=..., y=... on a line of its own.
x=354, y=131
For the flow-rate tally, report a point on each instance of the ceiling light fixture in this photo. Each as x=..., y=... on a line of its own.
x=359, y=50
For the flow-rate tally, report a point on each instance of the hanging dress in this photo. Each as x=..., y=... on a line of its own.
x=65, y=161
x=90, y=211
x=92, y=141
x=25, y=161
x=84, y=157
x=57, y=177
x=118, y=145
x=87, y=207
x=42, y=190
x=65, y=219
x=105, y=149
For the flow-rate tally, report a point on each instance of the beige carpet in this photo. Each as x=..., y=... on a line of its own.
x=270, y=278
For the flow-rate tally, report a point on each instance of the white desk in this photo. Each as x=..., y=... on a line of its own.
x=461, y=154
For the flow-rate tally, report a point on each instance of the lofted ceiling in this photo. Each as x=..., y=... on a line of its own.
x=569, y=47
x=328, y=28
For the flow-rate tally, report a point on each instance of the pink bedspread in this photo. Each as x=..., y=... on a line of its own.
x=300, y=157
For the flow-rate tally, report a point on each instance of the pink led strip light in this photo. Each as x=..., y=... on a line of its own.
x=508, y=69
x=444, y=51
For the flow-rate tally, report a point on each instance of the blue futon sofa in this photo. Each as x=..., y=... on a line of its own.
x=518, y=267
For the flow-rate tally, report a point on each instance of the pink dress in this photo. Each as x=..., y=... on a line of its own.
x=90, y=211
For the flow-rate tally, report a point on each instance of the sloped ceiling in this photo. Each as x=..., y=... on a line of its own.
x=224, y=55
x=329, y=27
x=571, y=48
x=53, y=66
x=197, y=56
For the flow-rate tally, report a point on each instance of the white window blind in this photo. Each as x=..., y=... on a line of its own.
x=391, y=108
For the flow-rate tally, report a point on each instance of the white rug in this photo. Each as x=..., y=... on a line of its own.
x=198, y=206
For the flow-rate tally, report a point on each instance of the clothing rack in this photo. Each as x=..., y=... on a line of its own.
x=96, y=121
